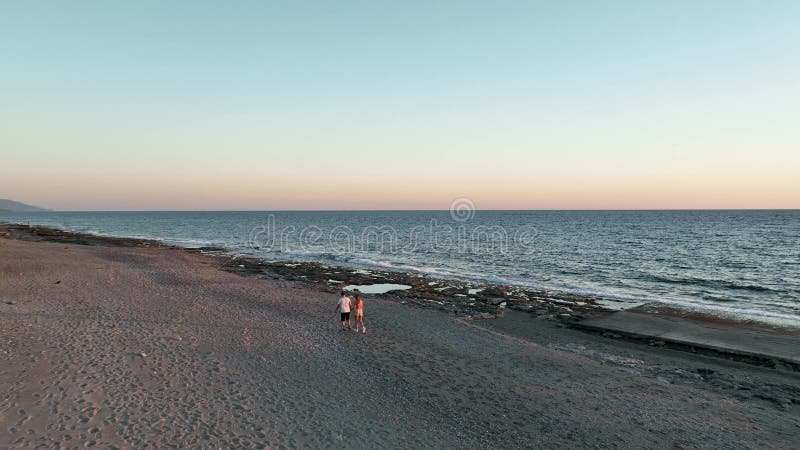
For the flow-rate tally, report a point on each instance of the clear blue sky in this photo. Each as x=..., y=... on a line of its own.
x=375, y=104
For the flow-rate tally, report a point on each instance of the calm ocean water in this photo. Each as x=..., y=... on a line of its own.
x=744, y=263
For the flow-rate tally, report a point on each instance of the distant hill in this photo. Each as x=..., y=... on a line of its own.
x=12, y=206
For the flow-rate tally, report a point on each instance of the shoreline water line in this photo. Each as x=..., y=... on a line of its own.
x=608, y=300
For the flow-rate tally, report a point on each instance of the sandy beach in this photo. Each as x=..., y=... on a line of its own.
x=114, y=345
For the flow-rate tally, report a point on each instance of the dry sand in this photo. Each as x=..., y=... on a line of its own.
x=115, y=346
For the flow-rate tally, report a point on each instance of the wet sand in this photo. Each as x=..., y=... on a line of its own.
x=109, y=345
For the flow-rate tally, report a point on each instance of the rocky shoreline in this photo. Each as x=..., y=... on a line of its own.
x=467, y=300
x=471, y=300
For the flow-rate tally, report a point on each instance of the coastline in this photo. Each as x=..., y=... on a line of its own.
x=470, y=299
x=127, y=342
x=776, y=311
x=457, y=296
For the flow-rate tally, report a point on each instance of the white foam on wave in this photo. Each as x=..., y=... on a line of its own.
x=756, y=315
x=192, y=243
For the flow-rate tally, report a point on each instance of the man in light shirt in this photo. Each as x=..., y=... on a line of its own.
x=343, y=307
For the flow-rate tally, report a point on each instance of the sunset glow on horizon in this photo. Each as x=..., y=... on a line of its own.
x=516, y=105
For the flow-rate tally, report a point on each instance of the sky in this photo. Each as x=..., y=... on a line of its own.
x=280, y=105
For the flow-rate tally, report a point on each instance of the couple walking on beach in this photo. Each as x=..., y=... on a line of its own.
x=345, y=305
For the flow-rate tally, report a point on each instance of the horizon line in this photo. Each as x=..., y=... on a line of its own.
x=395, y=210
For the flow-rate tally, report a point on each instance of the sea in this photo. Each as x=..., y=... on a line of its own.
x=740, y=264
